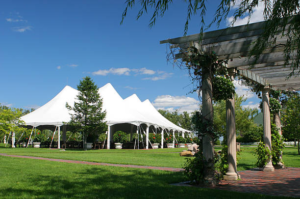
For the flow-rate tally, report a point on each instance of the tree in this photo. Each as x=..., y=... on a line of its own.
x=88, y=117
x=291, y=118
x=183, y=120
x=10, y=120
x=243, y=117
x=280, y=16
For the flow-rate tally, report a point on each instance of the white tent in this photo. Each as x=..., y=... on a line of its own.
x=118, y=111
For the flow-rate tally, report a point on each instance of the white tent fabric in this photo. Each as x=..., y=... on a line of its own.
x=131, y=110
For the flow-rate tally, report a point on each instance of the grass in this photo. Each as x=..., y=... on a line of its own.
x=157, y=157
x=27, y=178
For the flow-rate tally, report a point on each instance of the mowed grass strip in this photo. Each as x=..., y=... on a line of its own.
x=27, y=178
x=157, y=157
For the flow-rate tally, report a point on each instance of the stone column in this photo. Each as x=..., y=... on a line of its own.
x=231, y=135
x=108, y=137
x=162, y=138
x=4, y=140
x=58, y=137
x=277, y=122
x=13, y=140
x=267, y=126
x=147, y=137
x=183, y=134
x=208, y=146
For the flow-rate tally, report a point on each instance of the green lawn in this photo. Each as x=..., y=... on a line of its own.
x=157, y=157
x=27, y=178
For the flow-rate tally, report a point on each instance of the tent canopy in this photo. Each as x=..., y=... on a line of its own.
x=130, y=110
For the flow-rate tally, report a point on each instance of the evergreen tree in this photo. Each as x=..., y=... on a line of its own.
x=88, y=117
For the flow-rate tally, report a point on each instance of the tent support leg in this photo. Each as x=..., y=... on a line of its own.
x=108, y=137
x=162, y=139
x=58, y=137
x=29, y=137
x=147, y=137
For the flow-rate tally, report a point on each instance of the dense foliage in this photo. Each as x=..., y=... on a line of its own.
x=183, y=120
x=243, y=118
x=119, y=137
x=155, y=138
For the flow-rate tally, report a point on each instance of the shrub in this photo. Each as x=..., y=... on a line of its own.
x=255, y=134
x=263, y=154
x=102, y=137
x=181, y=139
x=217, y=142
x=154, y=138
x=196, y=140
x=39, y=137
x=189, y=140
x=169, y=139
x=119, y=136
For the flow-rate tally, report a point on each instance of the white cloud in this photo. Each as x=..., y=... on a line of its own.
x=21, y=29
x=180, y=103
x=160, y=77
x=15, y=20
x=142, y=71
x=32, y=106
x=6, y=104
x=131, y=88
x=115, y=71
x=251, y=105
x=73, y=65
x=256, y=16
x=58, y=67
x=243, y=90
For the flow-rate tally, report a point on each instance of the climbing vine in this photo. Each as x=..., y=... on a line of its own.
x=200, y=62
x=264, y=153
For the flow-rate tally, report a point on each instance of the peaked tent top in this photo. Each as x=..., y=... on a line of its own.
x=131, y=110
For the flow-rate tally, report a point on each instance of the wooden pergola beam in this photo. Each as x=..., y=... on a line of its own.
x=248, y=74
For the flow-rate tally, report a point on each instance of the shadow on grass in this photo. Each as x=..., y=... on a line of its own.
x=97, y=182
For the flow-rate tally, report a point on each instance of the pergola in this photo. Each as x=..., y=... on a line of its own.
x=233, y=44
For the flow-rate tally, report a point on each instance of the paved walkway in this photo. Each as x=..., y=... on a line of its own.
x=282, y=182
x=95, y=163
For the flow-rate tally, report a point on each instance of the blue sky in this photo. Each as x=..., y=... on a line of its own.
x=48, y=44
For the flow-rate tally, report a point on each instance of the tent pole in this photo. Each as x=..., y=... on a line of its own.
x=52, y=137
x=108, y=137
x=29, y=137
x=138, y=137
x=58, y=137
x=147, y=137
x=162, y=138
x=21, y=136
